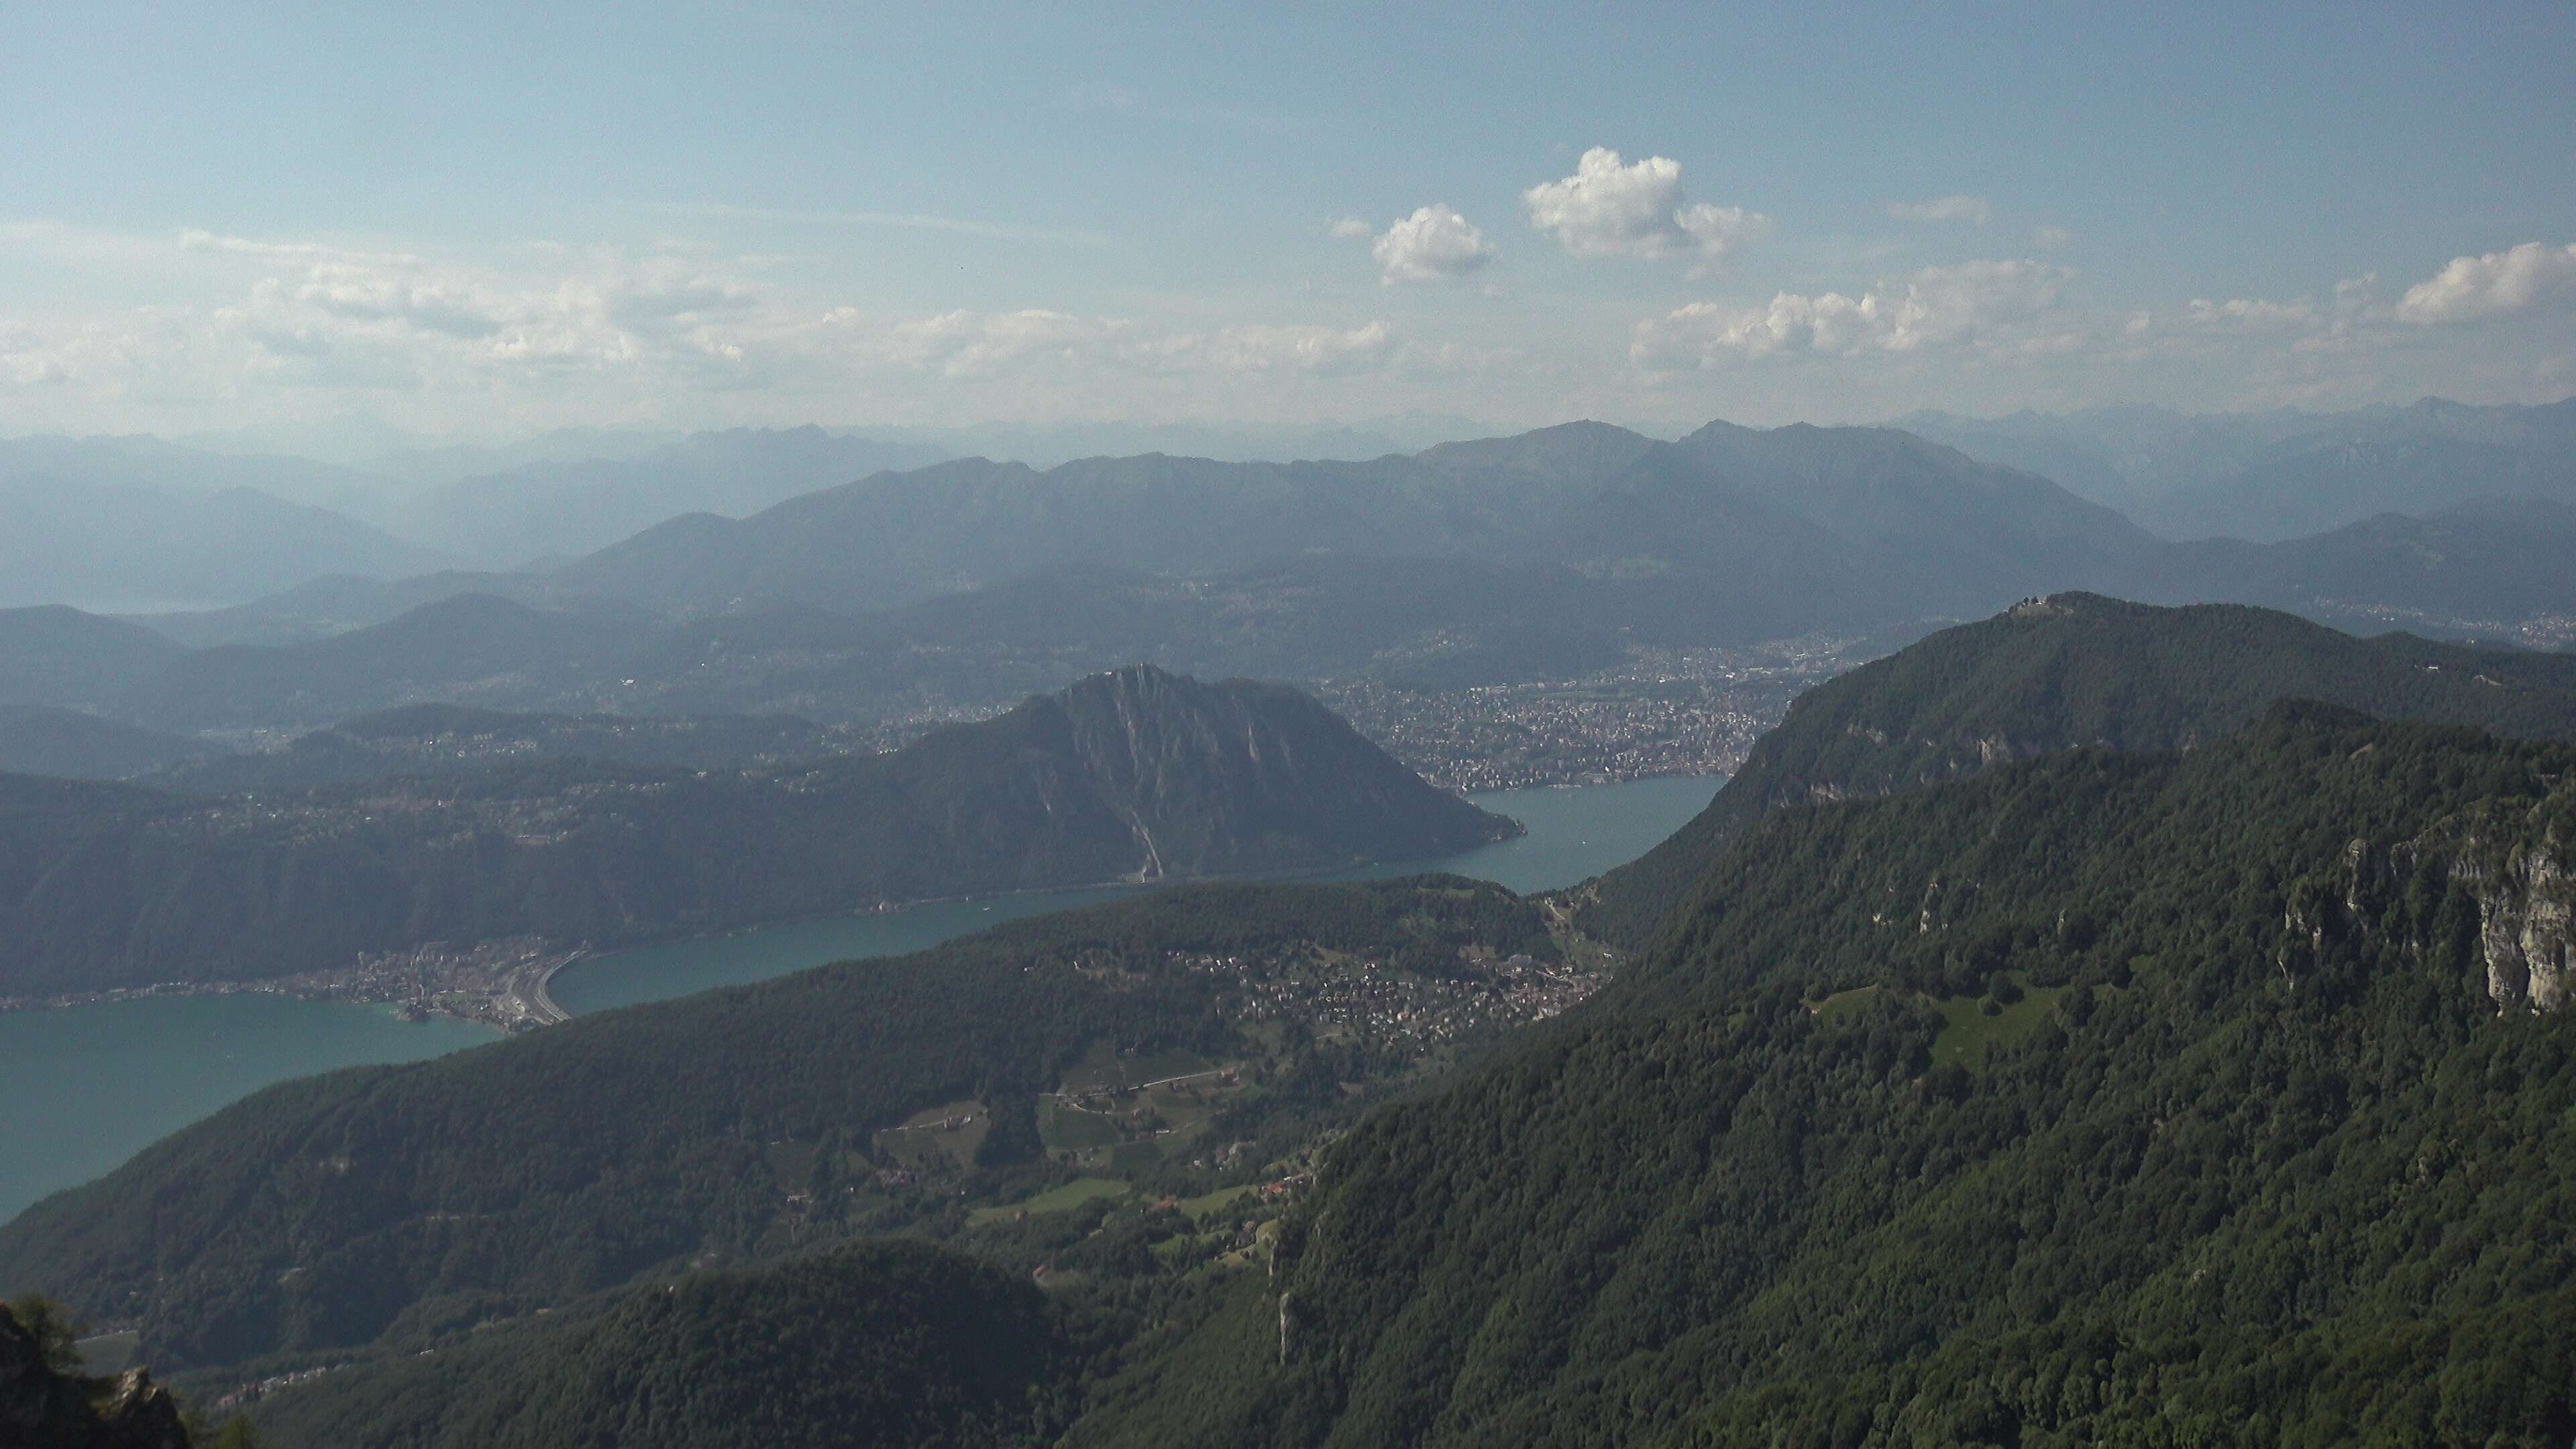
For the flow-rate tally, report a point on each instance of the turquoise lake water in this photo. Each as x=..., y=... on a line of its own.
x=1574, y=834
x=83, y=1089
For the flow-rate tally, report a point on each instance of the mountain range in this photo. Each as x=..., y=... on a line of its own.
x=1812, y=509
x=2267, y=477
x=2196, y=1079
x=122, y=522
x=560, y=509
x=1550, y=555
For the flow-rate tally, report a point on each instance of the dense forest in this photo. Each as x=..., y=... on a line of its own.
x=412, y=741
x=2107, y=1099
x=2069, y=670
x=406, y=1200
x=1133, y=775
x=2207, y=1082
x=887, y=1345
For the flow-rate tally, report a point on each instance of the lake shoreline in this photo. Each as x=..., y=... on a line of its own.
x=112, y=1081
x=526, y=1001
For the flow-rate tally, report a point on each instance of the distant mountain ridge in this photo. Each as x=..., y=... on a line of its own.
x=1547, y=555
x=62, y=538
x=56, y=655
x=546, y=509
x=1734, y=495
x=2270, y=477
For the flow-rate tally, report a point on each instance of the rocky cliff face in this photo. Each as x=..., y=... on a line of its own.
x=2068, y=671
x=41, y=1408
x=2524, y=894
x=2527, y=927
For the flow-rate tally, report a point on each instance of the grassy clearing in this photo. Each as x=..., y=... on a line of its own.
x=936, y=1136
x=1217, y=1201
x=1066, y=1129
x=1843, y=1003
x=1102, y=1067
x=1054, y=1200
x=1971, y=1034
x=792, y=1164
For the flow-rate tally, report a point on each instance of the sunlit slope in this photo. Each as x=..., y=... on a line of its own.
x=2077, y=669
x=2109, y=1098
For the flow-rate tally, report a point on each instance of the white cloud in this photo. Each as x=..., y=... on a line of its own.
x=1435, y=244
x=970, y=344
x=2052, y=238
x=966, y=344
x=1940, y=307
x=2470, y=288
x=1975, y=210
x=315, y=252
x=689, y=333
x=1319, y=351
x=1611, y=209
x=2247, y=315
x=1349, y=228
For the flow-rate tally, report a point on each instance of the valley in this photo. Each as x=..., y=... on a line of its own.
x=1288, y=727
x=1205, y=1119
x=128, y=1068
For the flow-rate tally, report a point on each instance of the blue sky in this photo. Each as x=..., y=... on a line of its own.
x=475, y=220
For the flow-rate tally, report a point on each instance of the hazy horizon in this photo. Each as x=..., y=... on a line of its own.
x=684, y=219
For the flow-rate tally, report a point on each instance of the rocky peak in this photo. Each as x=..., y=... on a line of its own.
x=42, y=1407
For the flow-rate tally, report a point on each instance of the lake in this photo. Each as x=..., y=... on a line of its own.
x=1574, y=833
x=84, y=1088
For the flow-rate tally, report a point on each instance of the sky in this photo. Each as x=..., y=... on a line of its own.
x=480, y=222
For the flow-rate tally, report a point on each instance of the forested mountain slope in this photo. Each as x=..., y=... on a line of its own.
x=405, y=1200
x=2069, y=670
x=2111, y=1098
x=1136, y=775
x=68, y=744
x=57, y=656
x=423, y=740
x=473, y=648
x=894, y=1344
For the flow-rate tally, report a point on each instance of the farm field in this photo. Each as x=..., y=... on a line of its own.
x=1054, y=1200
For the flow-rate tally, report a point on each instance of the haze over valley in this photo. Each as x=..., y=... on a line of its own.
x=1071, y=728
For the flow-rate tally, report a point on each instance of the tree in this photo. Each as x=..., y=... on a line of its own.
x=56, y=1332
